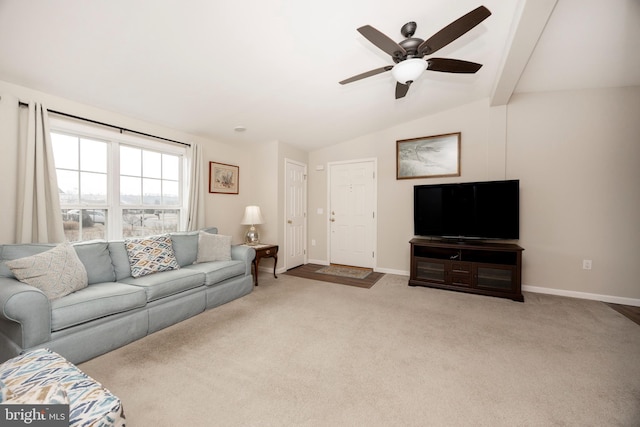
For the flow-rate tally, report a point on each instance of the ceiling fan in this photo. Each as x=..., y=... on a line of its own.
x=409, y=54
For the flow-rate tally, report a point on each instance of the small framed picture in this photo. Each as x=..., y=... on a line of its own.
x=428, y=157
x=223, y=178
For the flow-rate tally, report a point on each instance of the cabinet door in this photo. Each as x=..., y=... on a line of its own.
x=494, y=277
x=431, y=270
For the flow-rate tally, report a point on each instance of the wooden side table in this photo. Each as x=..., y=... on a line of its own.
x=264, y=251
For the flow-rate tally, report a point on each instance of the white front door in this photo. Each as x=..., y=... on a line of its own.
x=295, y=213
x=352, y=213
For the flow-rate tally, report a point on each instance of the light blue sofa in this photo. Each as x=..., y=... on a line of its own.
x=115, y=309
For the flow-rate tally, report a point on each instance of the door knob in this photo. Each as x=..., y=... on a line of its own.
x=332, y=219
x=289, y=221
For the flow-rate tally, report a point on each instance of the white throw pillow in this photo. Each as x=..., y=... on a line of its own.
x=56, y=272
x=151, y=255
x=213, y=247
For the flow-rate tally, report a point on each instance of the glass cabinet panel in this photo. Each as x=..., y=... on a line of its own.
x=494, y=277
x=431, y=270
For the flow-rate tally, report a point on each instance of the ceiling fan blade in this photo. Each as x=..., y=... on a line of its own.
x=366, y=74
x=447, y=65
x=382, y=41
x=401, y=90
x=454, y=30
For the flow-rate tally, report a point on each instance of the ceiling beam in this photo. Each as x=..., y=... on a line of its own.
x=534, y=15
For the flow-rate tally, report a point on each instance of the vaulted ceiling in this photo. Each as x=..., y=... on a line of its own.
x=273, y=66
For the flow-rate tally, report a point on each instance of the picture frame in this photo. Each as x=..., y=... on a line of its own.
x=429, y=156
x=223, y=178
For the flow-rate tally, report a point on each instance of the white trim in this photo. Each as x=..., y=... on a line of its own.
x=391, y=271
x=114, y=141
x=318, y=261
x=583, y=295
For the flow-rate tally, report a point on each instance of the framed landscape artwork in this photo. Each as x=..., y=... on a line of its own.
x=223, y=178
x=428, y=157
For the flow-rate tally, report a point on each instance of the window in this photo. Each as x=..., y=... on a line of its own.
x=115, y=185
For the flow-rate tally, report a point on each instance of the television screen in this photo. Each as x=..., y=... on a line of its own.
x=473, y=210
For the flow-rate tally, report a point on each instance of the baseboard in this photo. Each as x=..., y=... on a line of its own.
x=391, y=271
x=535, y=289
x=583, y=295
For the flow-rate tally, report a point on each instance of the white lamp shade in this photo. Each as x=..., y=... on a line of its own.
x=409, y=70
x=252, y=215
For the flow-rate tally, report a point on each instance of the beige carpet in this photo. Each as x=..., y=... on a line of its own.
x=297, y=352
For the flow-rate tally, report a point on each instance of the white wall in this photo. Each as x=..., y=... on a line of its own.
x=577, y=154
x=222, y=210
x=267, y=191
x=395, y=197
x=578, y=158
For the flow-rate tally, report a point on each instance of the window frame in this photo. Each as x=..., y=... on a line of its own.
x=115, y=138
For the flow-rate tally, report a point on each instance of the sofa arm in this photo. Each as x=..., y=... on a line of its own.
x=243, y=253
x=25, y=313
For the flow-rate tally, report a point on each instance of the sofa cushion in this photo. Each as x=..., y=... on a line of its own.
x=95, y=256
x=213, y=247
x=93, y=302
x=185, y=247
x=167, y=283
x=218, y=271
x=56, y=272
x=119, y=259
x=151, y=254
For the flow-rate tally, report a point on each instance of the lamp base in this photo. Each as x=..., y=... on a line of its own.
x=252, y=237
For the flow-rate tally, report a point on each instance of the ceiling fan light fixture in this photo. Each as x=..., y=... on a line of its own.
x=409, y=70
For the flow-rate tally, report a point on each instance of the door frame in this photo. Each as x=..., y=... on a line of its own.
x=374, y=198
x=288, y=161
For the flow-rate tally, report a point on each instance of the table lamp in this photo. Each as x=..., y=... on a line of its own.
x=252, y=216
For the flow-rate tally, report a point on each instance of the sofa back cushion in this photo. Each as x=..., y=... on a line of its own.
x=94, y=255
x=119, y=259
x=97, y=260
x=185, y=247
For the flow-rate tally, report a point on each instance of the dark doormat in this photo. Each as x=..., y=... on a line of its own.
x=341, y=274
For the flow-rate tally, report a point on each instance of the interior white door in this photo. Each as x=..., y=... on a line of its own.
x=295, y=213
x=352, y=213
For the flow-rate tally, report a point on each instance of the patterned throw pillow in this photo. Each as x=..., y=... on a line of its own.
x=213, y=247
x=56, y=272
x=149, y=255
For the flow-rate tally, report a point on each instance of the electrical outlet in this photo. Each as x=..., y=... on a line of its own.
x=313, y=242
x=586, y=264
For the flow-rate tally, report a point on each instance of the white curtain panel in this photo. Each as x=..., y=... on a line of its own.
x=195, y=208
x=39, y=217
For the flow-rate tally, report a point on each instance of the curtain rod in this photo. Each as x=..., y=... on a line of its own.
x=120, y=128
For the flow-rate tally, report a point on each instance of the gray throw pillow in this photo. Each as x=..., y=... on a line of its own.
x=213, y=247
x=56, y=272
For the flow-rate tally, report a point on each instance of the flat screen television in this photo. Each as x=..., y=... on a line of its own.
x=472, y=210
